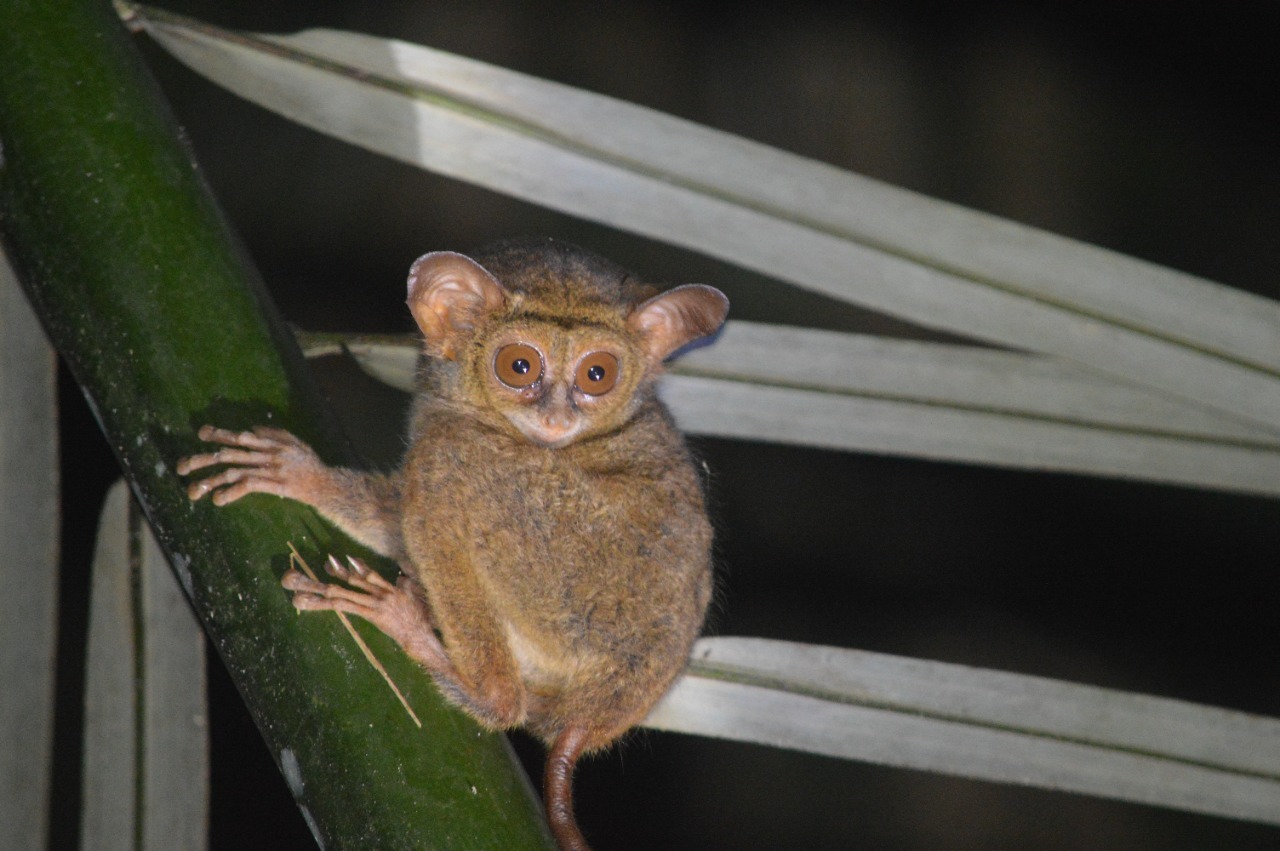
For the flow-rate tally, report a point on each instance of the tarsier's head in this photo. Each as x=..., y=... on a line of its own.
x=557, y=343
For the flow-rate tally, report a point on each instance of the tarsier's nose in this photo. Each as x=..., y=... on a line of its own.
x=556, y=418
x=554, y=430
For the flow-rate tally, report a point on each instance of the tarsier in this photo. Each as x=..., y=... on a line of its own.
x=547, y=517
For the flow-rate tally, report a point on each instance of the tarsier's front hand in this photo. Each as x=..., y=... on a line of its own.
x=273, y=461
x=265, y=460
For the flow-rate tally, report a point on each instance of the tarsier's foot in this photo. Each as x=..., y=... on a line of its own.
x=398, y=610
x=265, y=460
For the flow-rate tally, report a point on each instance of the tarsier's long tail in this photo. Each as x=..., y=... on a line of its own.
x=557, y=788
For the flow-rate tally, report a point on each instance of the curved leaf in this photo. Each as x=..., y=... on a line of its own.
x=802, y=221
x=977, y=723
x=959, y=403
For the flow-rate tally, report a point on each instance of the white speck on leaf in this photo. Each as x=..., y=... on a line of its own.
x=182, y=566
x=292, y=771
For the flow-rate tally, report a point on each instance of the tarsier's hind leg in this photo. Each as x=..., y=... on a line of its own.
x=402, y=612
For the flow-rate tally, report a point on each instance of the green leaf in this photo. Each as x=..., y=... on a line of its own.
x=1163, y=363
x=150, y=301
x=977, y=723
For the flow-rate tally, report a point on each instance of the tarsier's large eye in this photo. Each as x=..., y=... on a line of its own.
x=597, y=373
x=518, y=365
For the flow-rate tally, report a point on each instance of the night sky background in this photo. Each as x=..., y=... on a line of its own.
x=1142, y=128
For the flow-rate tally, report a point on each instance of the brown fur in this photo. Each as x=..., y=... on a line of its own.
x=557, y=540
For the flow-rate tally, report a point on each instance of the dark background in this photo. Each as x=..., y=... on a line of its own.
x=1141, y=128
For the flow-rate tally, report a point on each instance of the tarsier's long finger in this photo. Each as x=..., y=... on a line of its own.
x=359, y=576
x=357, y=565
x=271, y=434
x=296, y=580
x=196, y=462
x=334, y=568
x=241, y=457
x=262, y=438
x=311, y=594
x=247, y=448
x=306, y=602
x=233, y=483
x=251, y=482
x=199, y=488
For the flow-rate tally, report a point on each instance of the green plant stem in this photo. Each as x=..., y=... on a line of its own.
x=154, y=307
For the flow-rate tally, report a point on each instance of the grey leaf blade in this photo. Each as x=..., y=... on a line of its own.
x=983, y=724
x=798, y=417
x=962, y=377
x=940, y=402
x=808, y=224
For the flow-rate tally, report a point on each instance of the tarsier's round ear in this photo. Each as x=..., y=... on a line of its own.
x=448, y=293
x=671, y=320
